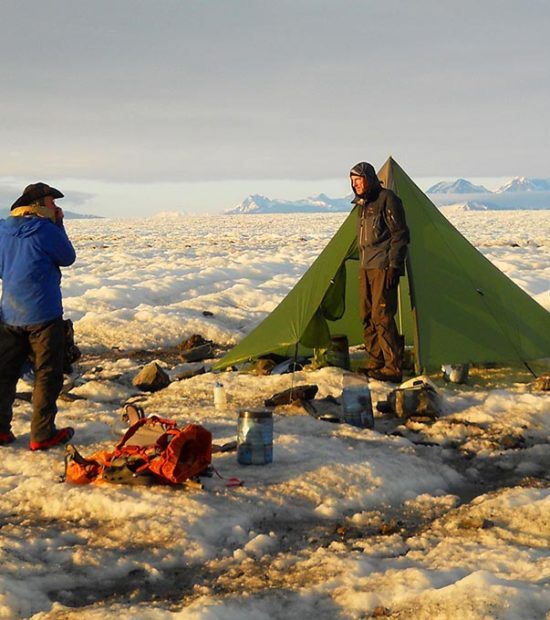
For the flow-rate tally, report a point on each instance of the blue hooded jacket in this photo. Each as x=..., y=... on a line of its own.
x=31, y=251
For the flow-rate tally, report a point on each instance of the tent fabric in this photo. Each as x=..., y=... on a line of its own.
x=455, y=306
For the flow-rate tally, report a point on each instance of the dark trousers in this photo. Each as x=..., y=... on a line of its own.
x=378, y=306
x=45, y=343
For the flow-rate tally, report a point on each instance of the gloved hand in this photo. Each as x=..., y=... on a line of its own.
x=59, y=215
x=392, y=277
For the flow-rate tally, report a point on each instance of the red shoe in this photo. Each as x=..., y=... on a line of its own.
x=61, y=436
x=6, y=438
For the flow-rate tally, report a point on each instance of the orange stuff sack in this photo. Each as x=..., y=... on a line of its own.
x=182, y=454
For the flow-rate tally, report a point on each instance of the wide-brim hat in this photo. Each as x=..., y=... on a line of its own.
x=35, y=192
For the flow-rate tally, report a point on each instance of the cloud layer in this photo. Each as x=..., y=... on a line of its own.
x=139, y=91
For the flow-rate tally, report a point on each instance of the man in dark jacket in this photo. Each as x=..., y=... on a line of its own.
x=33, y=246
x=382, y=238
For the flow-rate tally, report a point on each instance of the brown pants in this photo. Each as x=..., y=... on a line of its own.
x=45, y=343
x=378, y=306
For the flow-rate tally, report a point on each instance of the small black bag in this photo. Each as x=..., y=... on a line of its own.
x=419, y=400
x=71, y=352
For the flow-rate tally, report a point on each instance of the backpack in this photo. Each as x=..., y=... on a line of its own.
x=153, y=450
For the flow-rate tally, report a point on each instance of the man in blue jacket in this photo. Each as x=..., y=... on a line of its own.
x=33, y=246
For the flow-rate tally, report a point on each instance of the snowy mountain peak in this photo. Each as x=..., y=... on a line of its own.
x=525, y=184
x=460, y=186
x=255, y=203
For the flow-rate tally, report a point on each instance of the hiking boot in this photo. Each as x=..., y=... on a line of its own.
x=6, y=438
x=383, y=374
x=61, y=436
x=366, y=370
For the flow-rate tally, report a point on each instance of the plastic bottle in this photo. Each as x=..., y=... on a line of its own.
x=455, y=373
x=220, y=397
x=119, y=426
x=356, y=402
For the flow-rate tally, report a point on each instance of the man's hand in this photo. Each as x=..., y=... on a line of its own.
x=392, y=277
x=59, y=215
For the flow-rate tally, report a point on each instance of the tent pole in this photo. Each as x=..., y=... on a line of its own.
x=293, y=370
x=400, y=310
x=414, y=314
x=530, y=370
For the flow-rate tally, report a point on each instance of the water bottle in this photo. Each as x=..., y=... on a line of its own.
x=356, y=402
x=255, y=437
x=220, y=398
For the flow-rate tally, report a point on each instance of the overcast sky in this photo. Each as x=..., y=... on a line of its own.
x=196, y=103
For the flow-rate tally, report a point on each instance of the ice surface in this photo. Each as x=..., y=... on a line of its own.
x=442, y=520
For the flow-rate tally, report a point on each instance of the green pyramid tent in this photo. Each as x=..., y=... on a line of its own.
x=455, y=306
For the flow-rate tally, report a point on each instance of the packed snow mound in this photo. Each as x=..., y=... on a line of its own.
x=168, y=215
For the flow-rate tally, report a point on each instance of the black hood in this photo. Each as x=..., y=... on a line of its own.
x=364, y=169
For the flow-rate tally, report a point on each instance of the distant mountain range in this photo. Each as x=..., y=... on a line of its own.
x=517, y=185
x=69, y=215
x=475, y=205
x=523, y=184
x=460, y=186
x=316, y=204
x=519, y=193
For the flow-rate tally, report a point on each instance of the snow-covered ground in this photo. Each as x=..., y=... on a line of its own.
x=442, y=520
